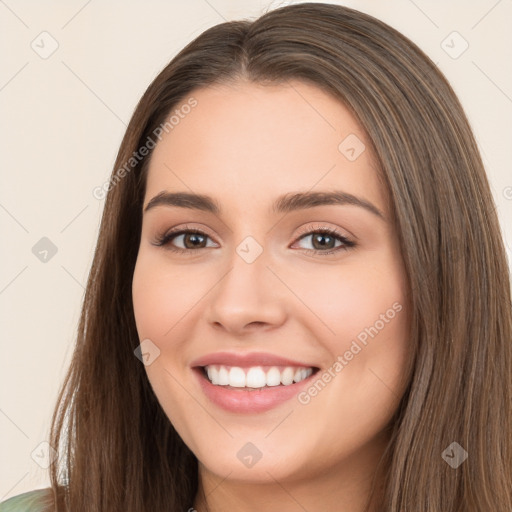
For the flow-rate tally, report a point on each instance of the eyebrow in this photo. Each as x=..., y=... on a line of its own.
x=284, y=204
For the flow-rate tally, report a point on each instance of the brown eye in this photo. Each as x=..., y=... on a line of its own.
x=324, y=241
x=192, y=239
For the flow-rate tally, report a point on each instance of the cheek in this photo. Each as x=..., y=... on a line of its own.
x=352, y=302
x=162, y=295
x=359, y=391
x=163, y=302
x=361, y=317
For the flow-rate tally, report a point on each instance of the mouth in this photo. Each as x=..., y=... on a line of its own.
x=255, y=377
x=251, y=382
x=252, y=389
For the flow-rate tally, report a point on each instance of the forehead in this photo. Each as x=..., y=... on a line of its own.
x=247, y=143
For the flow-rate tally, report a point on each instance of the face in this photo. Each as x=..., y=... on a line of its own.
x=295, y=307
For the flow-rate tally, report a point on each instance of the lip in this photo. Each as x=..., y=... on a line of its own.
x=244, y=400
x=247, y=360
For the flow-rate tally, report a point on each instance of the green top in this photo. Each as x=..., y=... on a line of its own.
x=27, y=502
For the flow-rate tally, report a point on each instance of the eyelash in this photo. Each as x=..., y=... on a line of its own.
x=164, y=240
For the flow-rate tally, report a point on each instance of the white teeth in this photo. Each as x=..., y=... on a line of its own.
x=223, y=376
x=213, y=374
x=237, y=377
x=287, y=376
x=273, y=377
x=256, y=376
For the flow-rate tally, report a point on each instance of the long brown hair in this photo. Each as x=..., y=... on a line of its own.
x=119, y=451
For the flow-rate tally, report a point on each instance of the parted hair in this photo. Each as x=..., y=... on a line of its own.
x=117, y=449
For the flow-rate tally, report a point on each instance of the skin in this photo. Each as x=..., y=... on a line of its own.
x=245, y=144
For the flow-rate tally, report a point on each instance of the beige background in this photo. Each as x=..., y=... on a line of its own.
x=63, y=119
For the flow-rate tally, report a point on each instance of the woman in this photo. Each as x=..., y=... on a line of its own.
x=299, y=298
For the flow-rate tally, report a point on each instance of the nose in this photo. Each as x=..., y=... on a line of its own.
x=248, y=297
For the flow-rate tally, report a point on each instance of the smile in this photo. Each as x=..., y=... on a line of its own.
x=255, y=377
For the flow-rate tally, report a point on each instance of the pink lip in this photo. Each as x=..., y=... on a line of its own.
x=246, y=360
x=242, y=400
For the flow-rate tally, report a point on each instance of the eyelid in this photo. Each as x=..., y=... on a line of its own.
x=189, y=227
x=319, y=226
x=347, y=242
x=182, y=229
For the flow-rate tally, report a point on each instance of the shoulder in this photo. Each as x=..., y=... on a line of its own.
x=32, y=501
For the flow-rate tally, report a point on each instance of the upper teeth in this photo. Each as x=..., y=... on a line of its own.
x=256, y=376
